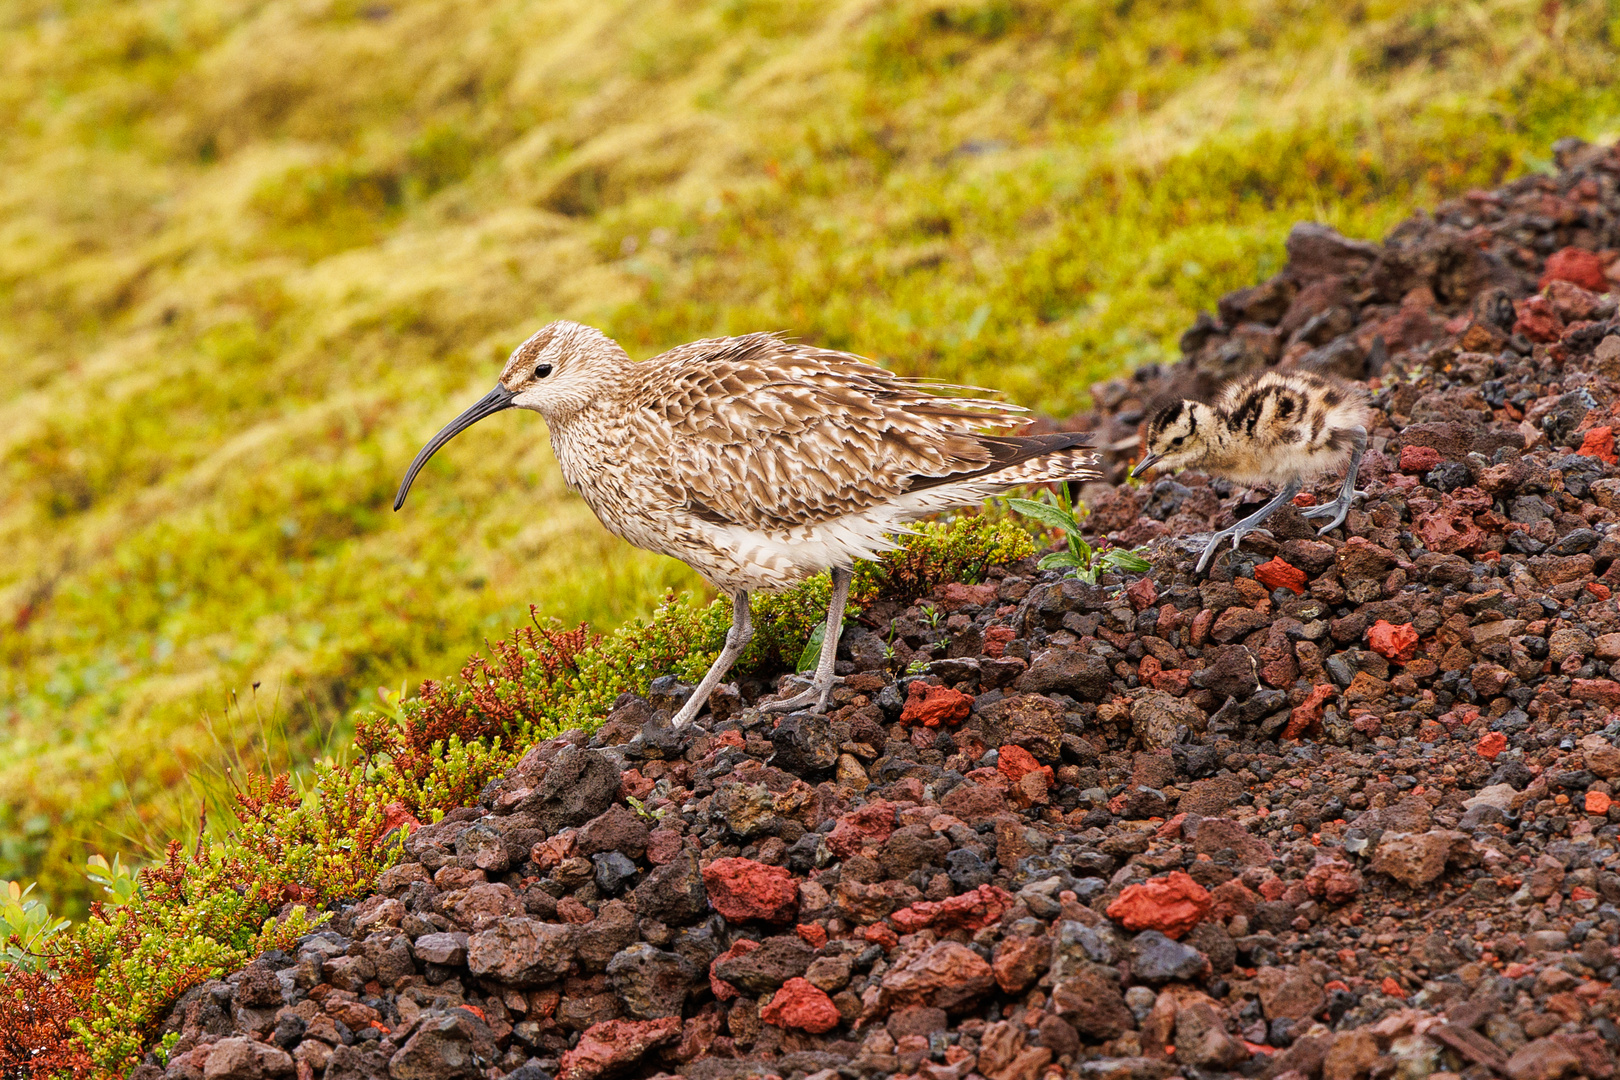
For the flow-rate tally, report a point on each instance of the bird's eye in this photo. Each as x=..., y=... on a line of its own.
x=542, y=371
x=1177, y=441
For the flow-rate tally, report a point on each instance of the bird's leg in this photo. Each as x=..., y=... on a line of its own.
x=737, y=639
x=1348, y=494
x=821, y=686
x=1247, y=525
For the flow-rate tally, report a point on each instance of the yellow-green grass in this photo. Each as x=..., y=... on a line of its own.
x=252, y=255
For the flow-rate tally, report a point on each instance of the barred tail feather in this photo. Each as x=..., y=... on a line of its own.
x=1056, y=468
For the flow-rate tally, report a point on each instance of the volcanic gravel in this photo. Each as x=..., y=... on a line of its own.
x=1342, y=809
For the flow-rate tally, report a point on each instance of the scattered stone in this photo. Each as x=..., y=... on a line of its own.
x=798, y=1004
x=607, y=1048
x=1415, y=859
x=931, y=706
x=243, y=1059
x=742, y=889
x=1172, y=905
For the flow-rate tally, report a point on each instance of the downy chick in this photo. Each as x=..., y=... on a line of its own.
x=1277, y=429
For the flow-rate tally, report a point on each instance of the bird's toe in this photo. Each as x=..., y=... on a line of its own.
x=814, y=697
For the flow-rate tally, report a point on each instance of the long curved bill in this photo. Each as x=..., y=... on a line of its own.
x=1141, y=467
x=488, y=405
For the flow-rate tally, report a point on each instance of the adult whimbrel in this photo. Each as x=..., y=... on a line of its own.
x=759, y=462
x=1278, y=429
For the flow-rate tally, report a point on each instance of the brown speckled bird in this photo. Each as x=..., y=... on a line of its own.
x=1280, y=429
x=759, y=462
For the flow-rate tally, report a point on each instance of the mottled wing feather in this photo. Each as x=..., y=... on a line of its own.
x=771, y=435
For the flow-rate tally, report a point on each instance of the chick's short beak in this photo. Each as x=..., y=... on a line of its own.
x=488, y=405
x=1145, y=464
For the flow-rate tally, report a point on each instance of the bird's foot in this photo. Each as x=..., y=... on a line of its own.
x=1236, y=533
x=814, y=697
x=1339, y=509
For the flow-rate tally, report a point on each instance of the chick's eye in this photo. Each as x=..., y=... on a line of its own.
x=542, y=371
x=1177, y=441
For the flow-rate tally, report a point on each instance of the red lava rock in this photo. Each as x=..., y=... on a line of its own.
x=1279, y=574
x=551, y=851
x=969, y=911
x=1333, y=880
x=1603, y=691
x=633, y=785
x=663, y=845
x=1019, y=961
x=1491, y=744
x=1537, y=320
x=1599, y=443
x=1392, y=988
x=1577, y=266
x=1171, y=830
x=1232, y=898
x=880, y=934
x=1172, y=905
x=1597, y=802
x=725, y=739
x=995, y=640
x=1142, y=593
x=571, y=911
x=723, y=990
x=1449, y=531
x=946, y=976
x=798, y=1004
x=742, y=889
x=871, y=824
x=1173, y=682
x=1014, y=762
x=396, y=815
x=1419, y=459
x=1392, y=642
x=811, y=934
x=931, y=706
x=956, y=595
x=1308, y=713
x=613, y=1045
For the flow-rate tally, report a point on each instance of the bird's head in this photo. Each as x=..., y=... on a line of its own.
x=1178, y=436
x=556, y=372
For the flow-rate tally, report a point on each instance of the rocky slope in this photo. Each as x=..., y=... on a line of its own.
x=1341, y=809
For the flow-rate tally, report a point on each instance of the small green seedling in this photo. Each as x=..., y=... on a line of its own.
x=118, y=881
x=641, y=809
x=1082, y=560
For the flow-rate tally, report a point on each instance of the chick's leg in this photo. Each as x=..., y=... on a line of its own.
x=1248, y=525
x=1339, y=508
x=821, y=685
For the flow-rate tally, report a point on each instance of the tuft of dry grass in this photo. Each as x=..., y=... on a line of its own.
x=251, y=255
